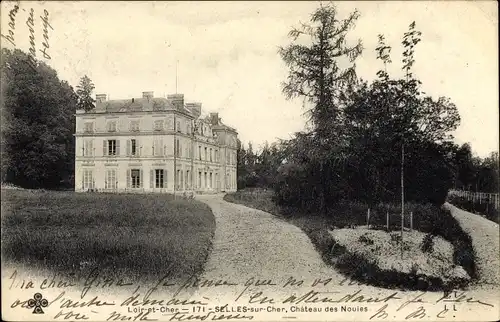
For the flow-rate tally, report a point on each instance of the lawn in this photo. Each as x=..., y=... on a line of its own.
x=135, y=234
x=324, y=231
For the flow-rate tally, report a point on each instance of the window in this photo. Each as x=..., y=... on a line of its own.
x=134, y=126
x=158, y=125
x=88, y=148
x=110, y=180
x=159, y=179
x=206, y=154
x=211, y=182
x=188, y=181
x=88, y=179
x=216, y=155
x=205, y=179
x=199, y=152
x=199, y=179
x=210, y=155
x=133, y=147
x=189, y=129
x=135, y=176
x=178, y=179
x=112, y=126
x=112, y=147
x=178, y=126
x=178, y=148
x=88, y=127
x=158, y=148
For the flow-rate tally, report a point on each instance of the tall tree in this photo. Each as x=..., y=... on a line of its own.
x=316, y=75
x=37, y=123
x=84, y=91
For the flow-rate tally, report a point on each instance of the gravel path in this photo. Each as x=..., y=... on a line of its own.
x=253, y=239
x=250, y=243
x=485, y=240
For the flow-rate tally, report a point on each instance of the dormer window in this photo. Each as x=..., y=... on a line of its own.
x=158, y=125
x=112, y=126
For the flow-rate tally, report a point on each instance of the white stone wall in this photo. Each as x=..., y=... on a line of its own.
x=155, y=150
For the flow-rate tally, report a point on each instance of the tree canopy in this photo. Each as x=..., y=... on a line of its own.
x=37, y=123
x=84, y=91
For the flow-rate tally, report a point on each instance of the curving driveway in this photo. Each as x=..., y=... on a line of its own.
x=250, y=242
x=253, y=244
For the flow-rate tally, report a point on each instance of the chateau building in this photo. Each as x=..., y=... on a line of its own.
x=153, y=144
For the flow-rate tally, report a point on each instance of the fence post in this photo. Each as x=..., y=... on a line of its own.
x=387, y=219
x=368, y=218
x=411, y=220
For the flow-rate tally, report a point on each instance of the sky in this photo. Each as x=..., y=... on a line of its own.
x=226, y=54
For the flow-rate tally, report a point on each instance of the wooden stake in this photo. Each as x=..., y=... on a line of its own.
x=387, y=219
x=411, y=220
x=368, y=218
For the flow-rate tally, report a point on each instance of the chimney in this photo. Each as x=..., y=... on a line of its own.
x=214, y=118
x=148, y=95
x=177, y=100
x=100, y=98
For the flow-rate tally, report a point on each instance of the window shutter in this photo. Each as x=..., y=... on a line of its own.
x=128, y=178
x=160, y=147
x=165, y=178
x=83, y=179
x=130, y=126
x=154, y=147
x=104, y=150
x=129, y=147
x=91, y=145
x=151, y=178
x=141, y=179
x=118, y=147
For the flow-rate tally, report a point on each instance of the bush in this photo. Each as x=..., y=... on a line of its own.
x=428, y=244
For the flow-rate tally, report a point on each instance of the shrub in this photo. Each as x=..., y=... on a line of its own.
x=428, y=244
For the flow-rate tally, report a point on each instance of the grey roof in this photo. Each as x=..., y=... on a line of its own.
x=137, y=105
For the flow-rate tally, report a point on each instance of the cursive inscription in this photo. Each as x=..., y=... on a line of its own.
x=45, y=43
x=253, y=295
x=12, y=25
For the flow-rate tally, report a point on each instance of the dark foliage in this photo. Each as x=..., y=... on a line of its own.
x=37, y=124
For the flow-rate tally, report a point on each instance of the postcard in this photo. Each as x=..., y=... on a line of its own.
x=250, y=161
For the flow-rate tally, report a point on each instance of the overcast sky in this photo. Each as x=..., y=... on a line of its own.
x=227, y=53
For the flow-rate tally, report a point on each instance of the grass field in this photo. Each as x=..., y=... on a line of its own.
x=427, y=219
x=138, y=235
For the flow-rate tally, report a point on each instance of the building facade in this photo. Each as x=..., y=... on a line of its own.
x=153, y=144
